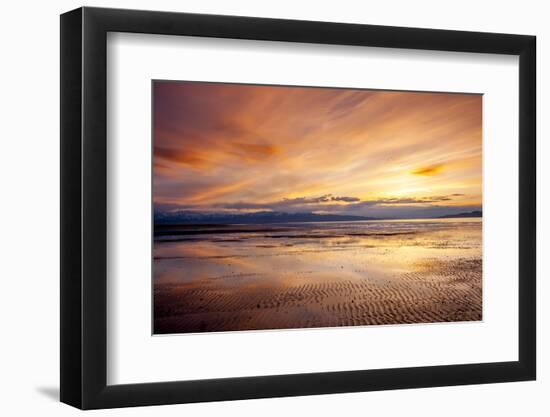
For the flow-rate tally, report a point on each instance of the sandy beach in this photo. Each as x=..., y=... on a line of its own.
x=259, y=277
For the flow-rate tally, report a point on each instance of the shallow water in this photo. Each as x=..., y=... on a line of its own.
x=244, y=277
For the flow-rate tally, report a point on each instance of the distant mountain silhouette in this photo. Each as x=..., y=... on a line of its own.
x=469, y=214
x=190, y=217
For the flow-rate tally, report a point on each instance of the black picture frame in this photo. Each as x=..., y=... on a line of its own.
x=84, y=207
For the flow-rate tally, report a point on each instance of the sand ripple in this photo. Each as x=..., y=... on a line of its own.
x=434, y=291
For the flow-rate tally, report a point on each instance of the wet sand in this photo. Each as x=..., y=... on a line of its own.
x=317, y=275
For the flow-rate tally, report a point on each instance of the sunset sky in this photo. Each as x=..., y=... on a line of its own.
x=245, y=148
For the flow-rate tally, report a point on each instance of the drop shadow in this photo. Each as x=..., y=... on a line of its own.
x=50, y=392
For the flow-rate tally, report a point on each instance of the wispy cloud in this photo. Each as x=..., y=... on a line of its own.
x=429, y=170
x=244, y=147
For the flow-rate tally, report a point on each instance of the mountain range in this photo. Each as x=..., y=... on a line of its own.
x=469, y=214
x=264, y=217
x=190, y=217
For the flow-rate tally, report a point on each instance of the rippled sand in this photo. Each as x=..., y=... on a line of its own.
x=317, y=275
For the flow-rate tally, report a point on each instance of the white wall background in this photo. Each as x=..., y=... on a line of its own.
x=29, y=225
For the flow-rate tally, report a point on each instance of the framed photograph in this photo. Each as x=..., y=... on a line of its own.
x=258, y=208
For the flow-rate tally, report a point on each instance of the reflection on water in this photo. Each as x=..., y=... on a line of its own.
x=243, y=277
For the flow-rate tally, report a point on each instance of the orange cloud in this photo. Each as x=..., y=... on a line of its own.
x=252, y=151
x=213, y=192
x=189, y=157
x=220, y=144
x=428, y=170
